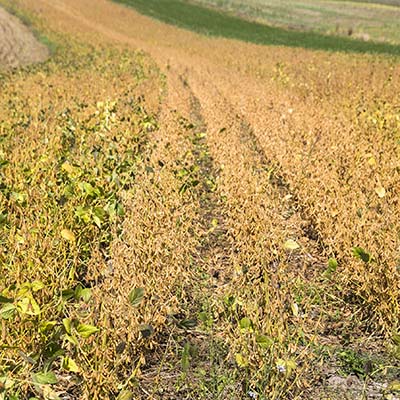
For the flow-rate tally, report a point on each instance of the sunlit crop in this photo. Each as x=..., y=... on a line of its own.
x=188, y=217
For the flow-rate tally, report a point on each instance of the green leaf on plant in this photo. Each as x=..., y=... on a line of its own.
x=396, y=339
x=183, y=188
x=23, y=289
x=37, y=285
x=360, y=253
x=120, y=209
x=3, y=218
x=99, y=216
x=125, y=395
x=5, y=383
x=67, y=325
x=89, y=189
x=81, y=293
x=83, y=213
x=47, y=326
x=97, y=221
x=188, y=323
x=264, y=342
x=71, y=339
x=136, y=296
x=185, y=361
x=86, y=294
x=67, y=294
x=70, y=365
x=28, y=305
x=86, y=330
x=45, y=378
x=4, y=300
x=332, y=266
x=7, y=311
x=246, y=325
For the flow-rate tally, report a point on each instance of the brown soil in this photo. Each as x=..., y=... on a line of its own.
x=18, y=46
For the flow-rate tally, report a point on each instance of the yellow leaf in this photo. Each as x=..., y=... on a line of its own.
x=394, y=386
x=372, y=161
x=380, y=191
x=125, y=395
x=70, y=365
x=68, y=235
x=291, y=245
x=241, y=361
x=334, y=213
x=288, y=197
x=291, y=365
x=295, y=309
x=28, y=305
x=286, y=366
x=19, y=239
x=67, y=167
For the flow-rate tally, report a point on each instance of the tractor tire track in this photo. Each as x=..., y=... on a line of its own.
x=278, y=180
x=266, y=169
x=215, y=248
x=211, y=257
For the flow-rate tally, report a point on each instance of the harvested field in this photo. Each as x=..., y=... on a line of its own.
x=186, y=217
x=18, y=46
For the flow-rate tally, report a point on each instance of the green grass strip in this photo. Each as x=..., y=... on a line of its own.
x=215, y=23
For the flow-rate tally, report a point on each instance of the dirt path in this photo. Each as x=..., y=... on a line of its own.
x=18, y=46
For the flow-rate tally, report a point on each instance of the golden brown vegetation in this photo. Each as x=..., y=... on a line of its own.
x=227, y=228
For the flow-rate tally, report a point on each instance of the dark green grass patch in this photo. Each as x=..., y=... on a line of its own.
x=214, y=23
x=395, y=3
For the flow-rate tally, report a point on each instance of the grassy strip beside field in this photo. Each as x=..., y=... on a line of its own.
x=215, y=23
x=365, y=21
x=384, y=2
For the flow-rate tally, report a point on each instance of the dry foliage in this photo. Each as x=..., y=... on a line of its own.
x=228, y=228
